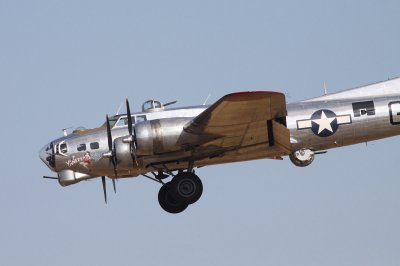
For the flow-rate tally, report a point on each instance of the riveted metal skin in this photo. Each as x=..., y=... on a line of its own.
x=356, y=129
x=230, y=130
x=160, y=135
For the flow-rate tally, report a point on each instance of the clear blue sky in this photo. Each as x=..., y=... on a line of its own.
x=68, y=63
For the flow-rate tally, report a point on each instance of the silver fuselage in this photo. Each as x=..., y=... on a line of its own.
x=354, y=116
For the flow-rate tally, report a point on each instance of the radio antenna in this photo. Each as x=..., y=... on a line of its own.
x=119, y=108
x=325, y=89
x=65, y=131
x=207, y=99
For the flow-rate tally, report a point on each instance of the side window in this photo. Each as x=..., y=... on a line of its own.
x=94, y=145
x=140, y=118
x=81, y=147
x=363, y=108
x=63, y=148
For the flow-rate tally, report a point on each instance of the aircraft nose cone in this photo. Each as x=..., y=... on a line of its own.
x=45, y=154
x=42, y=154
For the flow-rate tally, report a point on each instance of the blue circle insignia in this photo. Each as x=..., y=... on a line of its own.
x=324, y=123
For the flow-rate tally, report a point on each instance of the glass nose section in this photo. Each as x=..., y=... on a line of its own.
x=46, y=154
x=43, y=153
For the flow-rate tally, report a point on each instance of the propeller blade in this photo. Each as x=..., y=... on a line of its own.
x=110, y=146
x=109, y=134
x=113, y=159
x=130, y=129
x=103, y=180
x=113, y=182
x=114, y=162
x=133, y=152
x=128, y=113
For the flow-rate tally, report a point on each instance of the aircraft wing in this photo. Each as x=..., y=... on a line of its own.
x=245, y=122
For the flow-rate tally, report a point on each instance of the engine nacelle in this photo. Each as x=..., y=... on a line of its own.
x=123, y=153
x=160, y=135
x=69, y=177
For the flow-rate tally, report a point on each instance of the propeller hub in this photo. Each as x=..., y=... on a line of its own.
x=108, y=154
x=128, y=139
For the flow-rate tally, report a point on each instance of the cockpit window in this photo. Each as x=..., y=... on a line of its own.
x=63, y=148
x=94, y=145
x=81, y=147
x=112, y=120
x=140, y=118
x=123, y=121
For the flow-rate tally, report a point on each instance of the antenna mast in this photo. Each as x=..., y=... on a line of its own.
x=207, y=99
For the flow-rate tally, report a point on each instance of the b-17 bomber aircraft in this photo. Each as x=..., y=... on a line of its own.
x=161, y=143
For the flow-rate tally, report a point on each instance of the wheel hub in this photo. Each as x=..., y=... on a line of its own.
x=186, y=188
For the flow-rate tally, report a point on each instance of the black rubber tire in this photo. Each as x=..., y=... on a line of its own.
x=169, y=203
x=186, y=187
x=299, y=163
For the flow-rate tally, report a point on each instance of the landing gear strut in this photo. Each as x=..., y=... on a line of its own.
x=184, y=189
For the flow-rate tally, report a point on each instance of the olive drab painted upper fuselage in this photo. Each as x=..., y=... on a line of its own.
x=163, y=141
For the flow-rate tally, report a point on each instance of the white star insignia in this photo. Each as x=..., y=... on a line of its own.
x=324, y=122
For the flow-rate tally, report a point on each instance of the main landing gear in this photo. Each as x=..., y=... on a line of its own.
x=184, y=189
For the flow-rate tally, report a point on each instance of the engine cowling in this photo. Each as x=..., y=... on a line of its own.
x=160, y=135
x=123, y=153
